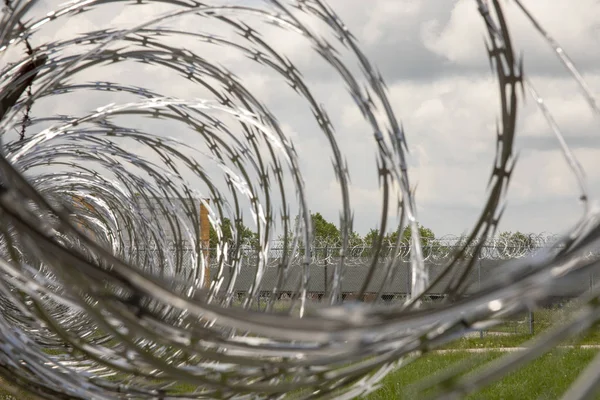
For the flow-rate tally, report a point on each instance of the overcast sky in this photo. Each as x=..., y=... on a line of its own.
x=432, y=56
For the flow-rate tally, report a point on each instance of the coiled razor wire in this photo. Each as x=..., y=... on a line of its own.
x=104, y=287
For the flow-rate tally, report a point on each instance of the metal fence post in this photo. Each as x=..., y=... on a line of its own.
x=479, y=274
x=407, y=279
x=479, y=288
x=531, y=322
x=326, y=273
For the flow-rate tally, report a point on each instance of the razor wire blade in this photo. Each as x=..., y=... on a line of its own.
x=105, y=292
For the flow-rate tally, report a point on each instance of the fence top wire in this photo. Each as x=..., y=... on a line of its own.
x=330, y=252
x=104, y=289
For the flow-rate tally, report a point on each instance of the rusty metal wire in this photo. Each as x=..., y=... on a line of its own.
x=100, y=298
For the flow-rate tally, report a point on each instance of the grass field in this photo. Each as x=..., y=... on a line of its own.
x=545, y=378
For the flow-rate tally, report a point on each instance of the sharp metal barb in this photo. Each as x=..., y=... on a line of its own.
x=127, y=269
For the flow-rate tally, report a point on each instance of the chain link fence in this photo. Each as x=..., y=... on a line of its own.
x=390, y=279
x=385, y=285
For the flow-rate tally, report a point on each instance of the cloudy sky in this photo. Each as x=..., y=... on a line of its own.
x=432, y=56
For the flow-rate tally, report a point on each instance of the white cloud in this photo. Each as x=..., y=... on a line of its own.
x=434, y=61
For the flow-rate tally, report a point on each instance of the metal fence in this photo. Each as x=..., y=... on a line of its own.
x=184, y=262
x=356, y=263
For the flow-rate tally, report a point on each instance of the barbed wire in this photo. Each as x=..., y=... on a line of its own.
x=328, y=251
x=98, y=301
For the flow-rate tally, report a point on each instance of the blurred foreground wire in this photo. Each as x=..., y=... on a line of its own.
x=105, y=285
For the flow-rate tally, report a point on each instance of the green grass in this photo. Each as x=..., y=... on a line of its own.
x=546, y=378
x=488, y=342
x=491, y=341
x=543, y=319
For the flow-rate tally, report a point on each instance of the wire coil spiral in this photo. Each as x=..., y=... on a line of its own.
x=86, y=314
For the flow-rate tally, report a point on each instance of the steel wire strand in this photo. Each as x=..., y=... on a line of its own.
x=107, y=289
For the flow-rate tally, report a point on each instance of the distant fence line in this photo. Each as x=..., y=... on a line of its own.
x=323, y=251
x=357, y=262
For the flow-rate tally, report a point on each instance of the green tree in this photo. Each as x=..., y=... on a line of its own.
x=354, y=239
x=326, y=235
x=469, y=251
x=427, y=236
x=429, y=243
x=428, y=240
x=517, y=241
x=245, y=233
x=324, y=231
x=371, y=237
x=370, y=240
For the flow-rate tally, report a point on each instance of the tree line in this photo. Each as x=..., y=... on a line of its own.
x=326, y=232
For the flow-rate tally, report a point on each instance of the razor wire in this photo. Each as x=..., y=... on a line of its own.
x=97, y=301
x=359, y=250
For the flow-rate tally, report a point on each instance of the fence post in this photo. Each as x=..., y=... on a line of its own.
x=205, y=242
x=408, y=276
x=325, y=273
x=479, y=288
x=479, y=274
x=531, y=322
